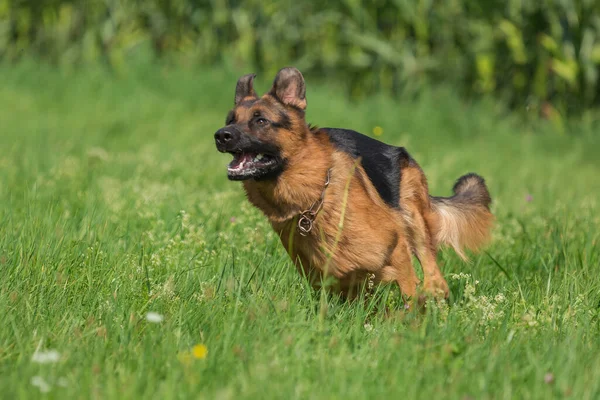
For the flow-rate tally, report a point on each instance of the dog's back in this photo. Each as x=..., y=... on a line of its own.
x=460, y=221
x=382, y=162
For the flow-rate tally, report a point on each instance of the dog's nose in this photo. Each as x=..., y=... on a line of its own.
x=224, y=136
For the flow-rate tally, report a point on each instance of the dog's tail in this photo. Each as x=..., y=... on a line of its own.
x=464, y=220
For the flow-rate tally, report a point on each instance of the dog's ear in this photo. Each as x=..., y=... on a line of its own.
x=244, y=88
x=289, y=88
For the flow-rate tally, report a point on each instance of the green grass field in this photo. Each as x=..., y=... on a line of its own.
x=114, y=203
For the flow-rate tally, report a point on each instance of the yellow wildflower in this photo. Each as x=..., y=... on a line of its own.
x=378, y=131
x=199, y=351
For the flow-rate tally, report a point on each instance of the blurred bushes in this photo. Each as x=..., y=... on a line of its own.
x=536, y=54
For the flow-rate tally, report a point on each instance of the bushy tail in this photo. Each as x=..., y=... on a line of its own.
x=464, y=220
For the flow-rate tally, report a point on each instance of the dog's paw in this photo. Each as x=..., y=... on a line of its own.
x=436, y=287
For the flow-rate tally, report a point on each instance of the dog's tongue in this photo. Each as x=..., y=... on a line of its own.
x=240, y=160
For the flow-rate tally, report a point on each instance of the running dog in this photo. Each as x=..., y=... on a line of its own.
x=345, y=205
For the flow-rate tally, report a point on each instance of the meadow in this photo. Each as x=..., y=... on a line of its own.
x=132, y=268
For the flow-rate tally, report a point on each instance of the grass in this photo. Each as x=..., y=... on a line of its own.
x=114, y=203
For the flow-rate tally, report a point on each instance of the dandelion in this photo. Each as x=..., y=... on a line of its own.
x=154, y=317
x=378, y=131
x=40, y=383
x=199, y=351
x=45, y=357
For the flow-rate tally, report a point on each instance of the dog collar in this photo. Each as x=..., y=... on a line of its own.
x=307, y=217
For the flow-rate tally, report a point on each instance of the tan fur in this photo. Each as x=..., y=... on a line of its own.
x=418, y=218
x=368, y=240
x=463, y=223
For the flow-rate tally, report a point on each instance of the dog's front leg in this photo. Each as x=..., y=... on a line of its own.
x=401, y=270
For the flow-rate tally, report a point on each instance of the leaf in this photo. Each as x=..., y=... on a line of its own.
x=514, y=40
x=567, y=70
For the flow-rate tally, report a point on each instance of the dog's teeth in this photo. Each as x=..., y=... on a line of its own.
x=259, y=157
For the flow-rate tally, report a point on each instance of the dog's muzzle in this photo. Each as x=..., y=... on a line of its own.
x=227, y=138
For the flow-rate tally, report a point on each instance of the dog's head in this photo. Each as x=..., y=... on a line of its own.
x=263, y=132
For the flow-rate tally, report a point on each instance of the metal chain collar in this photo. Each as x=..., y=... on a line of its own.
x=307, y=217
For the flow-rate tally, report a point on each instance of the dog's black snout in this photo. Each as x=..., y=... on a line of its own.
x=223, y=137
x=226, y=136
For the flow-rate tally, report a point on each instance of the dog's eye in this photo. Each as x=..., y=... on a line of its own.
x=261, y=121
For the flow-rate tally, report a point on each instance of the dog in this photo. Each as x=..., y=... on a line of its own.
x=346, y=206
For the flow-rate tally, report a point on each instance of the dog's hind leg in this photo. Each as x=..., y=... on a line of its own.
x=418, y=217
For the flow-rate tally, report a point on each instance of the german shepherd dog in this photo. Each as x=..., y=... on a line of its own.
x=345, y=205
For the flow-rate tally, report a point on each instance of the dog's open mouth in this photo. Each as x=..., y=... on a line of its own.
x=247, y=165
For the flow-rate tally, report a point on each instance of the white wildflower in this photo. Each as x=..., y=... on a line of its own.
x=458, y=277
x=154, y=317
x=40, y=383
x=45, y=357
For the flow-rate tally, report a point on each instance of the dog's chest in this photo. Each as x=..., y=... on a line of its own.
x=307, y=252
x=340, y=256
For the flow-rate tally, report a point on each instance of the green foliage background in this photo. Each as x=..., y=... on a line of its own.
x=537, y=55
